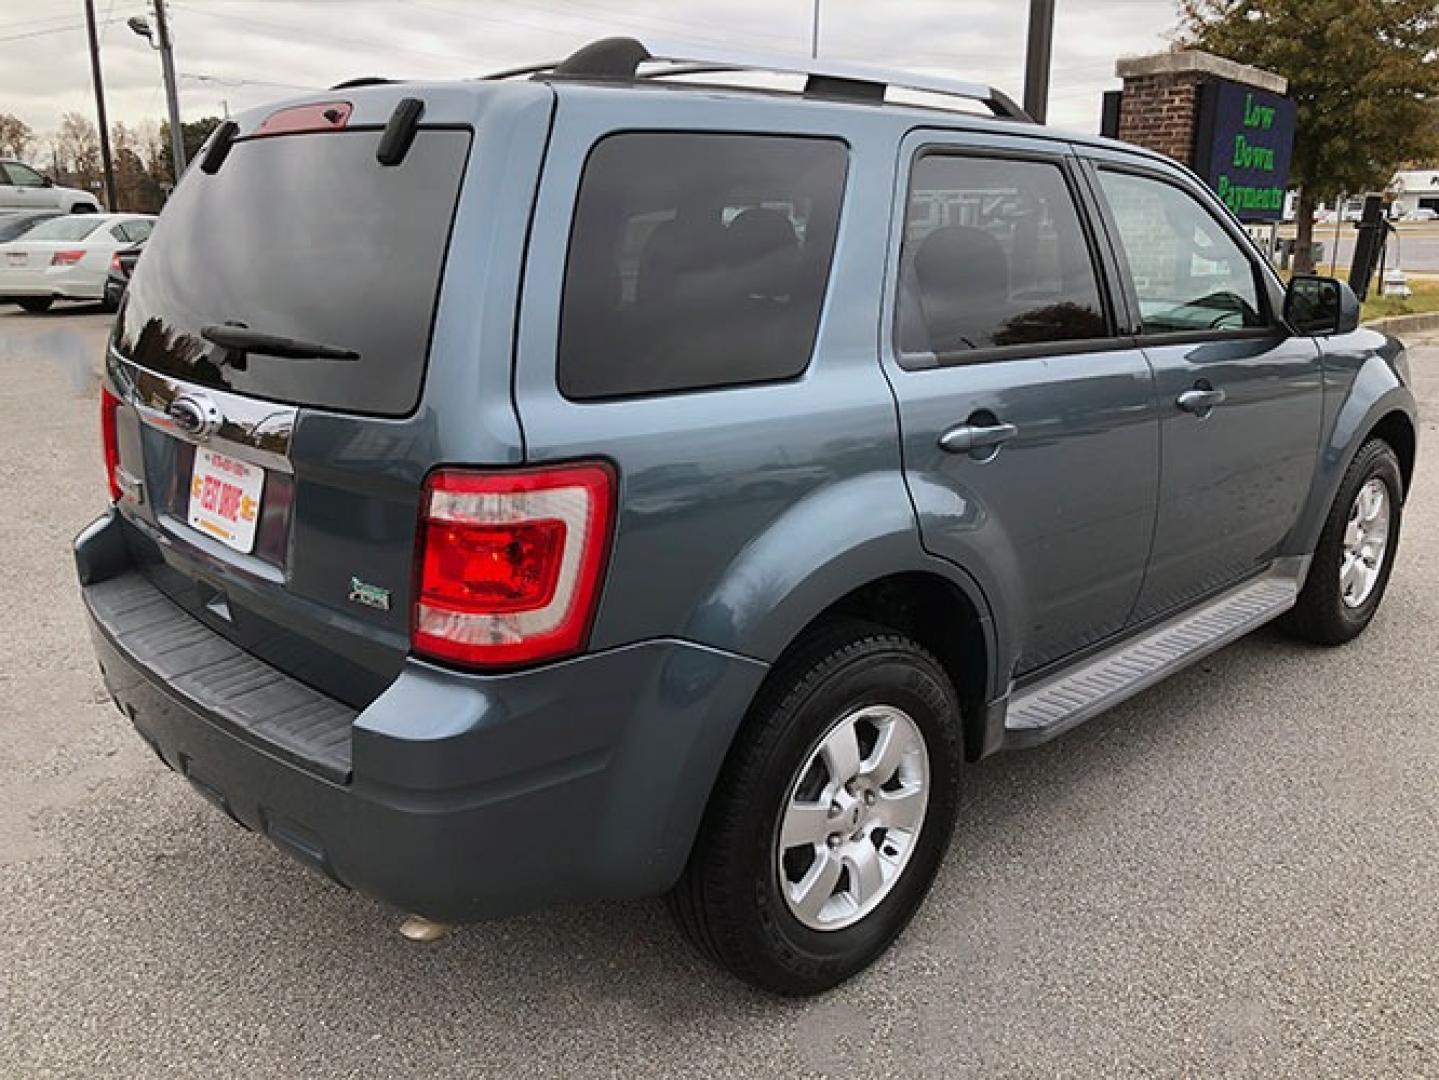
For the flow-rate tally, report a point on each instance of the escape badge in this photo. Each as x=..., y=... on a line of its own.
x=369, y=595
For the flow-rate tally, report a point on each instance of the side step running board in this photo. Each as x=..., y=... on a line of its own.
x=1052, y=706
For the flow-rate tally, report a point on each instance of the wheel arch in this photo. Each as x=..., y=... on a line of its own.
x=1396, y=428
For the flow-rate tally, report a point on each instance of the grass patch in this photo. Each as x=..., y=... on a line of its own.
x=1424, y=301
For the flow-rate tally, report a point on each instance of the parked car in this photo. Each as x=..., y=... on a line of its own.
x=122, y=266
x=25, y=188
x=1422, y=213
x=13, y=226
x=580, y=485
x=66, y=258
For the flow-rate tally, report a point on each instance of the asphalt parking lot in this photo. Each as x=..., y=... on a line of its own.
x=1234, y=874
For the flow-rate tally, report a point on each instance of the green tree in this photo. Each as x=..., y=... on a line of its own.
x=16, y=137
x=193, y=134
x=1364, y=75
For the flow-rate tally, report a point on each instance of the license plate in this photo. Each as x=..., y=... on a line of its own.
x=17, y=258
x=225, y=498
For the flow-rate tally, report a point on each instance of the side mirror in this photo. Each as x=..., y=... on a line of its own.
x=1320, y=306
x=46, y=181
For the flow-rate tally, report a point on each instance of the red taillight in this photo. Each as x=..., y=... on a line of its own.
x=115, y=262
x=109, y=406
x=66, y=258
x=510, y=563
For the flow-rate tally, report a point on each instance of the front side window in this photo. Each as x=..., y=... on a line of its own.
x=23, y=175
x=1189, y=274
x=993, y=256
x=697, y=260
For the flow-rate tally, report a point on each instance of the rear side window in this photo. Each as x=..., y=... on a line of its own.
x=303, y=236
x=697, y=260
x=1188, y=272
x=993, y=255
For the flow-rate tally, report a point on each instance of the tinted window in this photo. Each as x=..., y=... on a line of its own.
x=308, y=237
x=697, y=260
x=70, y=227
x=1188, y=272
x=23, y=175
x=993, y=255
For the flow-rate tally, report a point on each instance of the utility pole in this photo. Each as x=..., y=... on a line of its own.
x=172, y=93
x=1036, y=61
x=105, y=161
x=814, y=33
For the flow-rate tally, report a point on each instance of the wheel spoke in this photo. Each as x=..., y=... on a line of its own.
x=1373, y=501
x=840, y=752
x=813, y=891
x=804, y=823
x=866, y=877
x=1349, y=573
x=902, y=809
x=895, y=741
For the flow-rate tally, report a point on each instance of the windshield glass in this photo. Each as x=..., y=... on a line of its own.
x=305, y=237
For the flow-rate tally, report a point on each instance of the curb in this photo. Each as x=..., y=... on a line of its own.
x=1402, y=324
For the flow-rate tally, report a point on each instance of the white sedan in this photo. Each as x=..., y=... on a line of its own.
x=66, y=258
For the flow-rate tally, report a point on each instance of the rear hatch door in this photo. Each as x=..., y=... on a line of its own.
x=275, y=355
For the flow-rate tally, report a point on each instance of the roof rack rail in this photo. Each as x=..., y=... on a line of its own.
x=620, y=58
x=363, y=80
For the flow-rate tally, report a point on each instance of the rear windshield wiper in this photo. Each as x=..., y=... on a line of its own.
x=239, y=338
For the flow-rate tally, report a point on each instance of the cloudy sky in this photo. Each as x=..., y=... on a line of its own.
x=247, y=52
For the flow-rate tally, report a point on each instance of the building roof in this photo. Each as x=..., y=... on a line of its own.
x=1416, y=182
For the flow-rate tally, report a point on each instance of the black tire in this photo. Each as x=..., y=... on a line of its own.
x=1321, y=615
x=35, y=304
x=83, y=208
x=728, y=901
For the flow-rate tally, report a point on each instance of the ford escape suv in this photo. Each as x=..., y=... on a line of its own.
x=598, y=481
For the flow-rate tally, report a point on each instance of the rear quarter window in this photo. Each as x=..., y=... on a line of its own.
x=697, y=260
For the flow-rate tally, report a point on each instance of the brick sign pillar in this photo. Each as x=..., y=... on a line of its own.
x=1229, y=122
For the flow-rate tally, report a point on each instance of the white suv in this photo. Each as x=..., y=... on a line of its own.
x=22, y=188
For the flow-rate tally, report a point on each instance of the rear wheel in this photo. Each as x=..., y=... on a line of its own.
x=1356, y=551
x=35, y=304
x=84, y=208
x=831, y=817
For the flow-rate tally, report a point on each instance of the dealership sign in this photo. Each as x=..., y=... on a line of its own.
x=1243, y=139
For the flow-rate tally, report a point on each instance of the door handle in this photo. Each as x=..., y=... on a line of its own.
x=1200, y=400
x=962, y=438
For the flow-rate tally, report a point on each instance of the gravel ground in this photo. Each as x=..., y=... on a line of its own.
x=1234, y=874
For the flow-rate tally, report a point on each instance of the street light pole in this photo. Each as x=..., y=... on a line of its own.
x=172, y=93
x=1036, y=61
x=814, y=33
x=108, y=165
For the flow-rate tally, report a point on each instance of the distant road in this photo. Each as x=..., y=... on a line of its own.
x=1415, y=248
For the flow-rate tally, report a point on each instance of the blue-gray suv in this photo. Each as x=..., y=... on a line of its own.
x=603, y=480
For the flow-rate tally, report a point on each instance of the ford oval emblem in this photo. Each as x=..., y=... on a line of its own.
x=196, y=415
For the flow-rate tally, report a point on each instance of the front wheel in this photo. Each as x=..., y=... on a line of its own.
x=832, y=815
x=1356, y=551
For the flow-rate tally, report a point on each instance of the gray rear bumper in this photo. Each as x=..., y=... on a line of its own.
x=455, y=796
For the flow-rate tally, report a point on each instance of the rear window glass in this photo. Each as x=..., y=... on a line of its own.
x=697, y=260
x=306, y=237
x=74, y=227
x=12, y=228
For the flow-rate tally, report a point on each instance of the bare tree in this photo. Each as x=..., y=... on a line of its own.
x=16, y=137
